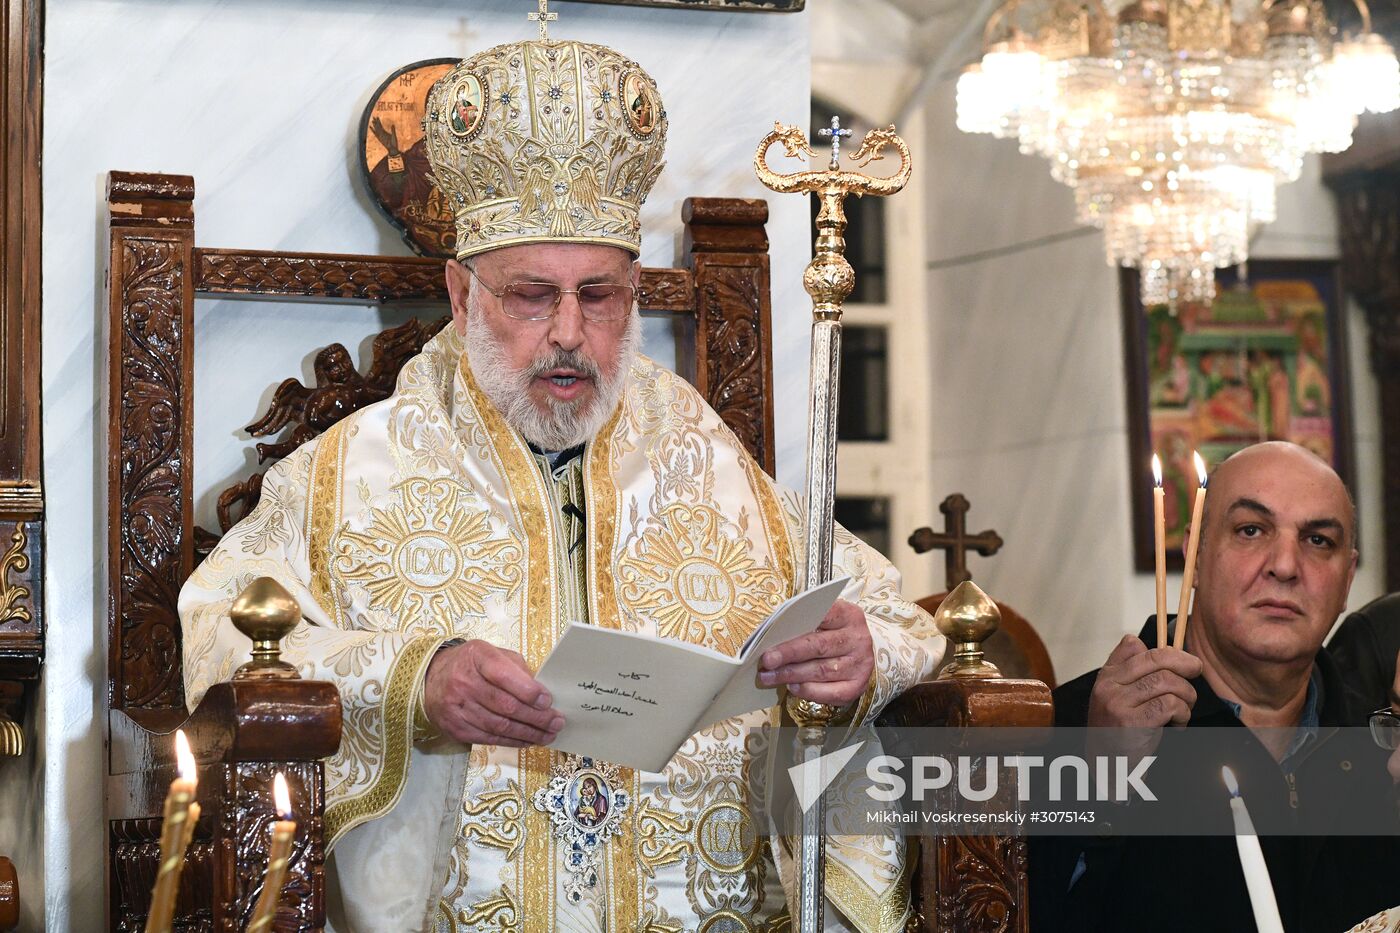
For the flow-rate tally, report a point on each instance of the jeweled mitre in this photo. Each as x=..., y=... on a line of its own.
x=545, y=141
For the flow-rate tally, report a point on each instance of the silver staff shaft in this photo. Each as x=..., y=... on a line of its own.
x=821, y=450
x=811, y=854
x=829, y=279
x=821, y=495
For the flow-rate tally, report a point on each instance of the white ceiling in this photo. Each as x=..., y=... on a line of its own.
x=922, y=10
x=923, y=41
x=909, y=31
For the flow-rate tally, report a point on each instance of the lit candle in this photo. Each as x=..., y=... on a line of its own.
x=176, y=830
x=1256, y=870
x=188, y=834
x=277, y=855
x=1159, y=527
x=1193, y=542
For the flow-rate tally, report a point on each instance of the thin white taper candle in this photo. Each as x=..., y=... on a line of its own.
x=1256, y=870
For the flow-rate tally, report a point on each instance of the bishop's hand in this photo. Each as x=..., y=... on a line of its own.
x=1140, y=690
x=831, y=665
x=479, y=694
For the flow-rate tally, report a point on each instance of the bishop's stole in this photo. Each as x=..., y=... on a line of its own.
x=425, y=517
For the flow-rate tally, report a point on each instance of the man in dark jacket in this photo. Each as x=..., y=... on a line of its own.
x=1277, y=556
x=1367, y=647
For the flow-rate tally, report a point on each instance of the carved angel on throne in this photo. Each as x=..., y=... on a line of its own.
x=339, y=390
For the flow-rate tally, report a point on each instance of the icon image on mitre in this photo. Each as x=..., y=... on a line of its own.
x=641, y=106
x=464, y=115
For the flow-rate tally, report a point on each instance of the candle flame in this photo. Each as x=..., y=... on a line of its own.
x=1231, y=784
x=280, y=798
x=1200, y=467
x=1156, y=470
x=184, y=757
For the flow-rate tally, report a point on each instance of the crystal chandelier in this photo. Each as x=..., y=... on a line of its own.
x=1174, y=120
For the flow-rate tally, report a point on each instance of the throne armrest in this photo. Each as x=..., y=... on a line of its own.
x=9, y=896
x=960, y=884
x=973, y=702
x=242, y=733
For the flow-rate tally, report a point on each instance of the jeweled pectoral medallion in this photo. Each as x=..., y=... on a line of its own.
x=586, y=805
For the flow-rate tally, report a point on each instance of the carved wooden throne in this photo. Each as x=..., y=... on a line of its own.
x=243, y=732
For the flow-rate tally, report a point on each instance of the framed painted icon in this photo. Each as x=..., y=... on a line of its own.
x=394, y=158
x=1266, y=361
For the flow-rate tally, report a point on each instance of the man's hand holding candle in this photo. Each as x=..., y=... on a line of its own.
x=1142, y=689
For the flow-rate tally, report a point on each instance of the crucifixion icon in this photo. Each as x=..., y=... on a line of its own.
x=544, y=18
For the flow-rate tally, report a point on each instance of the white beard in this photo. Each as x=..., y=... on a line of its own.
x=557, y=425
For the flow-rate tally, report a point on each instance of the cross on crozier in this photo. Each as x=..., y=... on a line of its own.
x=544, y=18
x=836, y=134
x=955, y=540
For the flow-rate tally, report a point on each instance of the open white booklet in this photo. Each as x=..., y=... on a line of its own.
x=634, y=700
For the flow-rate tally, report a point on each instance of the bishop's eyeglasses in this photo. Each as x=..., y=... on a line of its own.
x=600, y=302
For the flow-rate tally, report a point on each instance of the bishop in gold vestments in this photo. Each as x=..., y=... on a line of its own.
x=488, y=503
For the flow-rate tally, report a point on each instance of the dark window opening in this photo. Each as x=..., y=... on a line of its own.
x=866, y=517
x=865, y=393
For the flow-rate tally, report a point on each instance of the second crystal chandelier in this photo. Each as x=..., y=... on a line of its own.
x=1174, y=120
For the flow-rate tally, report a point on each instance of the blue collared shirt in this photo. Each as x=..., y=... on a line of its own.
x=1308, y=723
x=1304, y=736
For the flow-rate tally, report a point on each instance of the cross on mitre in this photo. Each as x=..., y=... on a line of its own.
x=544, y=18
x=955, y=540
x=836, y=134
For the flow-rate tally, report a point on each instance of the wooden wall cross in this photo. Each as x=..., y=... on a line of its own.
x=955, y=540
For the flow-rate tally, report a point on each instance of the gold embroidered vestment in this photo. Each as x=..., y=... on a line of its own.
x=426, y=517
